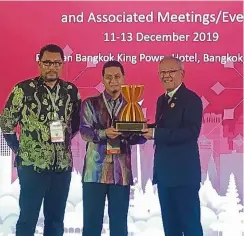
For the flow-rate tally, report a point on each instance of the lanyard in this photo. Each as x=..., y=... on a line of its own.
x=54, y=100
x=109, y=109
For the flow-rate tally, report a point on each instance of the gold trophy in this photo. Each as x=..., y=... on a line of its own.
x=131, y=117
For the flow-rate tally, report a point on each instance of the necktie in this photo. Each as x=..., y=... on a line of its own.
x=113, y=111
x=109, y=158
x=168, y=98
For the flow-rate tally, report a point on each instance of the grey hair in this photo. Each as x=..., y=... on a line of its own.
x=179, y=62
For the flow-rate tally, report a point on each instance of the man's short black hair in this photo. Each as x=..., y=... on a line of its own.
x=113, y=64
x=51, y=48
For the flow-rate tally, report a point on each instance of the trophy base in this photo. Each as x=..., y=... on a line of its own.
x=130, y=126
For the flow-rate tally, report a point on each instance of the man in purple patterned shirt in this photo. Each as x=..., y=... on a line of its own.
x=107, y=167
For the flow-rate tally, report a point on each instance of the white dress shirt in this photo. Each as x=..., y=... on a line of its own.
x=171, y=93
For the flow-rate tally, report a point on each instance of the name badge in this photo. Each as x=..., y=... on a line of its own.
x=57, y=131
x=113, y=147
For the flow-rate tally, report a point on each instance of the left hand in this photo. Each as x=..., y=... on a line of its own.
x=147, y=133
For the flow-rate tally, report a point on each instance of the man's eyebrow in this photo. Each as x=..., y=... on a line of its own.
x=56, y=60
x=170, y=69
x=112, y=74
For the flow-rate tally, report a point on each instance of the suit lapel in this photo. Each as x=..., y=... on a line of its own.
x=179, y=92
x=166, y=105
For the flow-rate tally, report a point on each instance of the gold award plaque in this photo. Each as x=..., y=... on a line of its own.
x=131, y=117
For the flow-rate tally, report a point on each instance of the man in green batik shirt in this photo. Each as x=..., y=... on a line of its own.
x=47, y=110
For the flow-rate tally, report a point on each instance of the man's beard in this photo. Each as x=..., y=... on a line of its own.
x=50, y=79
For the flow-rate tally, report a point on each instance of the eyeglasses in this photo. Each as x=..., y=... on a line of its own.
x=110, y=77
x=56, y=64
x=171, y=73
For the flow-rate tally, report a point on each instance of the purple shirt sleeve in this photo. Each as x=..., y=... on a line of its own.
x=88, y=133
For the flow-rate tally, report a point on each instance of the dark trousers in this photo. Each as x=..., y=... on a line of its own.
x=94, y=195
x=180, y=208
x=35, y=187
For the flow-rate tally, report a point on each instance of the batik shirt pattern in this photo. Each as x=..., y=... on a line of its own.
x=30, y=106
x=99, y=167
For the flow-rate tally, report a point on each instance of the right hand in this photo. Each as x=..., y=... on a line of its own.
x=148, y=133
x=112, y=133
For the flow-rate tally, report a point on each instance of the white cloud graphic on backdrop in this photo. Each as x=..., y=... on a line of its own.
x=144, y=217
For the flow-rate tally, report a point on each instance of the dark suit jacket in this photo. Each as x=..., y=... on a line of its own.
x=177, y=128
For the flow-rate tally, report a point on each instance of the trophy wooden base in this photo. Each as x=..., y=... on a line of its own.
x=130, y=126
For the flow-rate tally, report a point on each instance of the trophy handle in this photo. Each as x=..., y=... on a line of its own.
x=126, y=93
x=139, y=112
x=137, y=92
x=125, y=115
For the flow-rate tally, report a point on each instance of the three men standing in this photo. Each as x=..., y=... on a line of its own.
x=49, y=113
